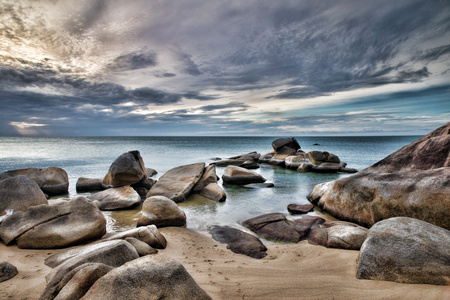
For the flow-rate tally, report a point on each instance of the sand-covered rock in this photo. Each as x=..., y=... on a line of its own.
x=241, y=176
x=406, y=250
x=161, y=212
x=239, y=242
x=116, y=198
x=127, y=169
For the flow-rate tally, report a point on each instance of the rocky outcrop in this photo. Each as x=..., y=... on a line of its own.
x=207, y=185
x=52, y=180
x=248, y=161
x=336, y=234
x=241, y=176
x=54, y=226
x=177, y=183
x=239, y=242
x=149, y=277
x=19, y=193
x=161, y=212
x=116, y=198
x=149, y=234
x=412, y=182
x=295, y=161
x=406, y=250
x=283, y=148
x=127, y=169
x=7, y=271
x=273, y=226
x=89, y=185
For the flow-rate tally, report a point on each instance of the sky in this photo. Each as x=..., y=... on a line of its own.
x=214, y=67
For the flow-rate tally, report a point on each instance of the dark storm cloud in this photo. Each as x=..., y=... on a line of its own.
x=133, y=61
x=188, y=66
x=149, y=95
x=198, y=96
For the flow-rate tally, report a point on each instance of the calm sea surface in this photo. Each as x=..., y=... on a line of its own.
x=92, y=156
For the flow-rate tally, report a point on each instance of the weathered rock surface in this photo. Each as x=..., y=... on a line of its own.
x=292, y=143
x=239, y=242
x=207, y=185
x=214, y=192
x=406, y=250
x=248, y=161
x=76, y=282
x=89, y=185
x=300, y=208
x=54, y=226
x=116, y=198
x=52, y=180
x=241, y=176
x=127, y=169
x=141, y=247
x=342, y=235
x=7, y=271
x=412, y=182
x=209, y=176
x=149, y=277
x=306, y=223
x=149, y=234
x=19, y=193
x=295, y=161
x=273, y=226
x=177, y=183
x=161, y=212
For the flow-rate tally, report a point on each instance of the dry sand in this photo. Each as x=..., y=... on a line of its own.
x=290, y=271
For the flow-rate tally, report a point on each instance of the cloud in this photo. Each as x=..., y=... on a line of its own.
x=133, y=61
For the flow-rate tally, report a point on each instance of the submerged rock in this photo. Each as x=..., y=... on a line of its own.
x=241, y=176
x=239, y=242
x=127, y=169
x=116, y=198
x=161, y=212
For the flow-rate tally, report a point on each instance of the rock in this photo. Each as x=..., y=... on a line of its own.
x=161, y=212
x=54, y=226
x=207, y=185
x=241, y=176
x=273, y=226
x=318, y=157
x=127, y=169
x=229, y=162
x=143, y=186
x=151, y=172
x=295, y=161
x=281, y=155
x=116, y=198
x=52, y=180
x=149, y=277
x=89, y=185
x=149, y=234
x=265, y=158
x=76, y=282
x=141, y=247
x=19, y=193
x=214, y=192
x=285, y=142
x=258, y=185
x=300, y=208
x=177, y=183
x=406, y=250
x=249, y=164
x=304, y=224
x=251, y=156
x=209, y=176
x=413, y=182
x=111, y=253
x=247, y=161
x=7, y=271
x=342, y=235
x=239, y=242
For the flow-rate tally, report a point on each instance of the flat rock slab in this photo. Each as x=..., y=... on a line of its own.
x=241, y=176
x=406, y=250
x=116, y=198
x=7, y=271
x=239, y=242
x=177, y=183
x=273, y=226
x=300, y=208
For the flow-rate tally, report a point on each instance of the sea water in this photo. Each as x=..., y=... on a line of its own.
x=92, y=156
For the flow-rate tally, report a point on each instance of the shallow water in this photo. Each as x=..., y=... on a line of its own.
x=92, y=156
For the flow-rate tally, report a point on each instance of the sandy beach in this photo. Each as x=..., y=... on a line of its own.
x=289, y=271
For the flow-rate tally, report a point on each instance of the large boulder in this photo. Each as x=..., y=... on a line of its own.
x=52, y=180
x=161, y=212
x=241, y=176
x=54, y=226
x=127, y=169
x=406, y=250
x=19, y=193
x=177, y=183
x=337, y=234
x=149, y=277
x=412, y=182
x=239, y=242
x=7, y=271
x=207, y=185
x=116, y=198
x=292, y=143
x=148, y=234
x=214, y=192
x=273, y=226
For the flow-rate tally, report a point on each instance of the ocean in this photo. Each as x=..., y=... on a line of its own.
x=92, y=156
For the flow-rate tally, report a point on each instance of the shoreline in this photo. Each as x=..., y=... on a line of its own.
x=289, y=271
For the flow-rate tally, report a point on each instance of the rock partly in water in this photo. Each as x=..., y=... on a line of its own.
x=85, y=185
x=273, y=226
x=7, y=271
x=127, y=169
x=412, y=182
x=161, y=212
x=300, y=208
x=406, y=250
x=336, y=234
x=54, y=226
x=149, y=277
x=207, y=185
x=241, y=176
x=295, y=161
x=239, y=242
x=52, y=181
x=116, y=198
x=141, y=247
x=19, y=193
x=292, y=143
x=177, y=183
x=148, y=234
x=214, y=192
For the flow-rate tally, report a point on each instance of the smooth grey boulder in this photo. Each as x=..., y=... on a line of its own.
x=273, y=226
x=127, y=169
x=161, y=212
x=141, y=247
x=7, y=271
x=116, y=198
x=241, y=176
x=239, y=242
x=89, y=185
x=207, y=185
x=149, y=277
x=209, y=176
x=54, y=226
x=337, y=234
x=148, y=234
x=406, y=250
x=177, y=183
x=214, y=192
x=19, y=193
